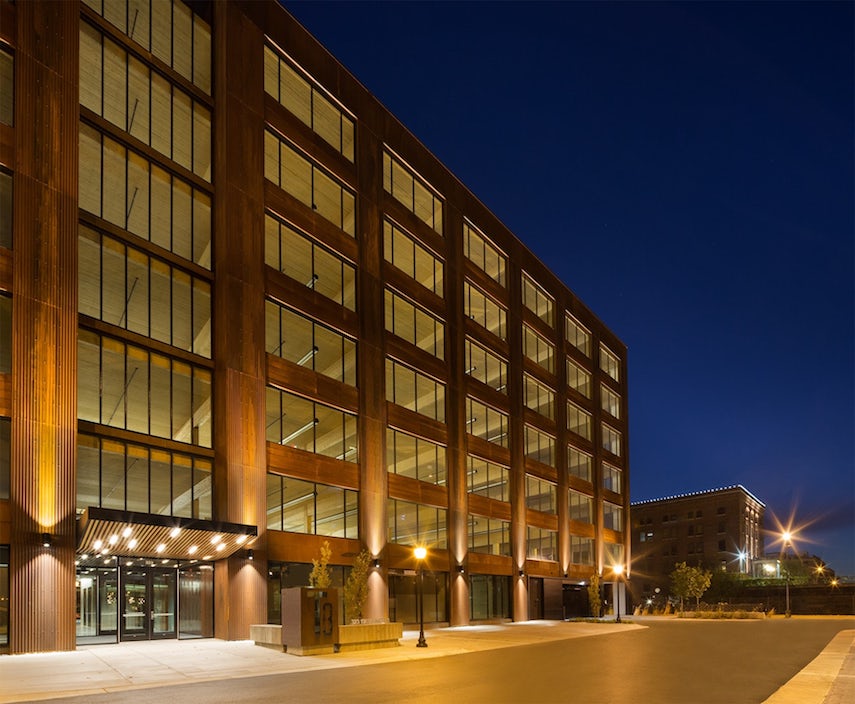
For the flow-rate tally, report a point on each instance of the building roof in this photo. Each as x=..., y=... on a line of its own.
x=706, y=492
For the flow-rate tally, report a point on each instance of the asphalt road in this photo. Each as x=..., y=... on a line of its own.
x=670, y=662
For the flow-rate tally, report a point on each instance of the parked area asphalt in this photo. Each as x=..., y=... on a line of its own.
x=98, y=669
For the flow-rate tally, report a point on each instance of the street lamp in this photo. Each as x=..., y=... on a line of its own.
x=618, y=571
x=786, y=537
x=420, y=553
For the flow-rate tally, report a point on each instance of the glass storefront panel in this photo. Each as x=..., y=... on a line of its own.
x=403, y=597
x=4, y=598
x=489, y=597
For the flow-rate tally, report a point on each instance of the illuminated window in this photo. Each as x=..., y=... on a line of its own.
x=538, y=349
x=5, y=456
x=540, y=495
x=305, y=99
x=581, y=550
x=578, y=379
x=296, y=422
x=413, y=390
x=579, y=463
x=538, y=397
x=132, y=477
x=5, y=334
x=298, y=506
x=578, y=421
x=412, y=191
x=581, y=507
x=612, y=478
x=5, y=210
x=486, y=367
x=612, y=516
x=484, y=310
x=577, y=335
x=485, y=422
x=302, y=341
x=609, y=401
x=483, y=254
x=488, y=479
x=537, y=300
x=7, y=88
x=413, y=259
x=611, y=440
x=417, y=524
x=539, y=446
x=541, y=544
x=409, y=456
x=609, y=363
x=414, y=325
x=489, y=536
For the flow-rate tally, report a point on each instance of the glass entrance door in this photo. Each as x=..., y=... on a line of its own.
x=148, y=603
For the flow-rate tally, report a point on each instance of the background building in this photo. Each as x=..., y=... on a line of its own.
x=243, y=311
x=719, y=529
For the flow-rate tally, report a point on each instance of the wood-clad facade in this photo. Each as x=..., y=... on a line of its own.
x=246, y=299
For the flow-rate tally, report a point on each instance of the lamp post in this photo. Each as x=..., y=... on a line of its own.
x=420, y=553
x=786, y=537
x=618, y=571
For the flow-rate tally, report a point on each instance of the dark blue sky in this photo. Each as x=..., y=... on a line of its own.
x=687, y=170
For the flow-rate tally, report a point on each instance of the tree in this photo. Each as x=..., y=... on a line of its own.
x=690, y=581
x=356, y=586
x=594, y=600
x=320, y=576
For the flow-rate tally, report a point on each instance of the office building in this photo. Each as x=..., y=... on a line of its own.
x=244, y=311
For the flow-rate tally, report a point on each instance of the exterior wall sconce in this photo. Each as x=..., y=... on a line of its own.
x=47, y=540
x=522, y=572
x=565, y=575
x=250, y=555
x=461, y=569
x=376, y=563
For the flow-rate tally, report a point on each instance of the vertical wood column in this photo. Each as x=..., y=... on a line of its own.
x=240, y=464
x=458, y=498
x=371, y=370
x=44, y=328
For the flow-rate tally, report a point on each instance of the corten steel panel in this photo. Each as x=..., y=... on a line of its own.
x=310, y=467
x=7, y=147
x=5, y=522
x=300, y=547
x=8, y=24
x=481, y=563
x=44, y=329
x=414, y=291
x=413, y=356
x=491, y=508
x=415, y=423
x=5, y=395
x=240, y=361
x=409, y=489
x=290, y=376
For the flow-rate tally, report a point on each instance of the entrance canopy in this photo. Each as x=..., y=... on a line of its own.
x=104, y=531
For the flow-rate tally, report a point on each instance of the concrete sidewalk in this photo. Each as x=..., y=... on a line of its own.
x=99, y=669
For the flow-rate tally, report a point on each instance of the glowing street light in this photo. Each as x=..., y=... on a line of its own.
x=420, y=553
x=786, y=538
x=617, y=570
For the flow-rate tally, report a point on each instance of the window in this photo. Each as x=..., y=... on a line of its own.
x=417, y=524
x=581, y=550
x=302, y=341
x=541, y=544
x=577, y=335
x=173, y=34
x=303, y=98
x=611, y=478
x=415, y=391
x=413, y=259
x=579, y=463
x=538, y=350
x=489, y=596
x=409, y=456
x=127, y=93
x=611, y=440
x=485, y=422
x=609, y=401
x=540, y=495
x=128, y=387
x=300, y=258
x=483, y=254
x=414, y=325
x=5, y=456
x=484, y=310
x=486, y=367
x=412, y=191
x=132, y=477
x=537, y=300
x=539, y=446
x=128, y=288
x=722, y=545
x=612, y=516
x=578, y=421
x=5, y=210
x=538, y=397
x=7, y=88
x=490, y=536
x=309, y=183
x=578, y=379
x=488, y=479
x=127, y=190
x=581, y=507
x=298, y=506
x=5, y=334
x=4, y=597
x=609, y=362
x=305, y=425
x=614, y=554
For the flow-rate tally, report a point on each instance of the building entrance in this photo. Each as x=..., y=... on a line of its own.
x=148, y=603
